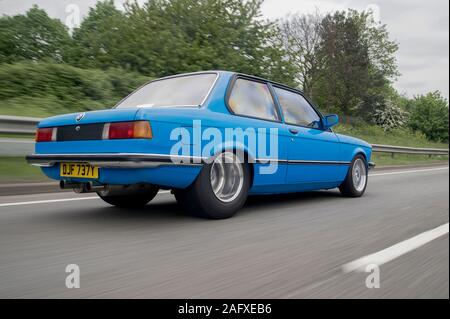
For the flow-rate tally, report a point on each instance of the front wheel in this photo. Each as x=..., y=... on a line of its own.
x=133, y=198
x=355, y=182
x=220, y=189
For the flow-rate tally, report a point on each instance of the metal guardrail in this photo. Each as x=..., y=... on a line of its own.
x=26, y=125
x=378, y=148
x=16, y=146
x=18, y=124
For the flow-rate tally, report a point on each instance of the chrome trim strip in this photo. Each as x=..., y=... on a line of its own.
x=146, y=160
x=115, y=160
x=263, y=160
x=210, y=89
x=319, y=162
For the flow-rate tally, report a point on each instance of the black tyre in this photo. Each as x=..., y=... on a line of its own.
x=355, y=182
x=130, y=199
x=219, y=191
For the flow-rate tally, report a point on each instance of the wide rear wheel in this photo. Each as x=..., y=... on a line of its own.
x=220, y=190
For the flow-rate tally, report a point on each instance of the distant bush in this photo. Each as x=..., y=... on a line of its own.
x=39, y=89
x=429, y=115
x=389, y=116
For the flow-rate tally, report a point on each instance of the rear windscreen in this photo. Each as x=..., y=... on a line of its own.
x=185, y=90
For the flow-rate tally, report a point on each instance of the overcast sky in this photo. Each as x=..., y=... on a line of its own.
x=420, y=27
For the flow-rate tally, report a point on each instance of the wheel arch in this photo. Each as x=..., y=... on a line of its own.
x=360, y=151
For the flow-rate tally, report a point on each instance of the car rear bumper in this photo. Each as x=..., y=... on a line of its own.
x=371, y=165
x=115, y=160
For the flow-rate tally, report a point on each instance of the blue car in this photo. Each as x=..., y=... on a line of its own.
x=212, y=137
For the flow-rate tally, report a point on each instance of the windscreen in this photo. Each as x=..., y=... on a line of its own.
x=186, y=90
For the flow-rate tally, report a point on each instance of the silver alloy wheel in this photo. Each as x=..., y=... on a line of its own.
x=359, y=174
x=227, y=177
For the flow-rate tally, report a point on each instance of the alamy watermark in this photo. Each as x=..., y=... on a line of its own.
x=373, y=279
x=73, y=17
x=73, y=277
x=198, y=144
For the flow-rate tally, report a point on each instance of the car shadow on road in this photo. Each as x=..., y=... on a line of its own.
x=273, y=200
x=166, y=211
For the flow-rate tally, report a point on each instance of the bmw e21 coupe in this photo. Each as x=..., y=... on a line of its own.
x=212, y=137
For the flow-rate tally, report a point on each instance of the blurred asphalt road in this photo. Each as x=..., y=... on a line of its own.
x=287, y=246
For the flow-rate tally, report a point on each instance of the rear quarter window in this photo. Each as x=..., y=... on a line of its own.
x=252, y=99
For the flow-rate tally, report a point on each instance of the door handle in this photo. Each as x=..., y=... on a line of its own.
x=293, y=131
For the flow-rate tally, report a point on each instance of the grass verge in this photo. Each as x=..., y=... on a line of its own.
x=376, y=135
x=16, y=170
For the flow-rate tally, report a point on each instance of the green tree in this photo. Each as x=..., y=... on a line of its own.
x=429, y=115
x=300, y=36
x=358, y=63
x=98, y=42
x=33, y=36
x=164, y=37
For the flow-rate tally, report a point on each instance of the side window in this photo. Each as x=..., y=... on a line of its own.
x=252, y=99
x=297, y=110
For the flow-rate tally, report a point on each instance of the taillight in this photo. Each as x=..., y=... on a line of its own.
x=127, y=130
x=46, y=134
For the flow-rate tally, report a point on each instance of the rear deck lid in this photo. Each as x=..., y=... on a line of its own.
x=92, y=117
x=86, y=125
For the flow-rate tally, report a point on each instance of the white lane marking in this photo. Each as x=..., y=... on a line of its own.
x=47, y=201
x=57, y=200
x=395, y=251
x=410, y=171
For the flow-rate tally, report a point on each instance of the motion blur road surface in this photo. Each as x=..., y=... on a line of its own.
x=287, y=246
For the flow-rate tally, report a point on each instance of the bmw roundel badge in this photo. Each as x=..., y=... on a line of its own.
x=80, y=116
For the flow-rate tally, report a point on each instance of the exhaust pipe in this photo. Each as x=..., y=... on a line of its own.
x=106, y=190
x=80, y=188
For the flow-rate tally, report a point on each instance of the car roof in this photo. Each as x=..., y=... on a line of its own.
x=257, y=78
x=237, y=74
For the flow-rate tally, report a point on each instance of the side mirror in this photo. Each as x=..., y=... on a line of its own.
x=330, y=121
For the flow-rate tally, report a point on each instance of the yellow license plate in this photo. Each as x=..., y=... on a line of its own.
x=83, y=170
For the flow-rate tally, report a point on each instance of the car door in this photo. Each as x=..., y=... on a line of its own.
x=253, y=104
x=313, y=153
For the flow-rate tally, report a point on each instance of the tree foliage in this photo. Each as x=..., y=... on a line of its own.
x=300, y=37
x=166, y=37
x=429, y=115
x=33, y=36
x=358, y=63
x=98, y=42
